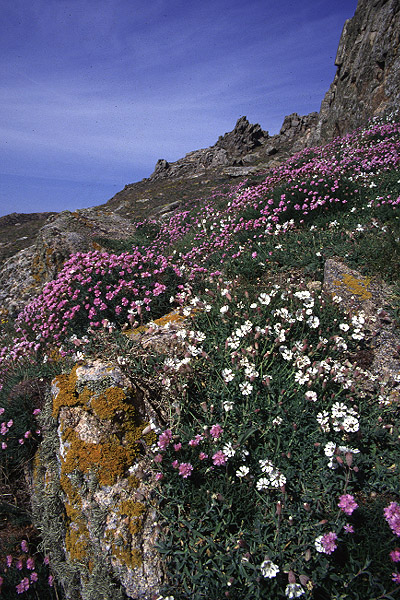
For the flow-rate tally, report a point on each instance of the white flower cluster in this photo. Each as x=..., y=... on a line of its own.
x=272, y=477
x=331, y=449
x=341, y=418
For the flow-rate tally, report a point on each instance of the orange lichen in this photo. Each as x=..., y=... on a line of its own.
x=108, y=459
x=108, y=404
x=67, y=396
x=355, y=285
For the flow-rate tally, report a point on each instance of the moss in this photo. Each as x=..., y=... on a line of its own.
x=357, y=286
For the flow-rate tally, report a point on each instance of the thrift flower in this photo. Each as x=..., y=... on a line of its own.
x=395, y=555
x=326, y=544
x=216, y=431
x=348, y=528
x=396, y=577
x=347, y=504
x=185, y=469
x=392, y=516
x=219, y=458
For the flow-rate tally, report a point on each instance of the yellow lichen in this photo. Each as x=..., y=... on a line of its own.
x=109, y=460
x=355, y=285
x=108, y=404
x=67, y=395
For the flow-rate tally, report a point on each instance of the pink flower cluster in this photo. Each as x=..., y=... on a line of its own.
x=328, y=542
x=347, y=504
x=392, y=516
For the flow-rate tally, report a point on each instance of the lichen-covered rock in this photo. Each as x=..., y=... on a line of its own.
x=367, y=297
x=93, y=487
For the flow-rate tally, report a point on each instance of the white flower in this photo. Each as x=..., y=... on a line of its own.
x=277, y=421
x=246, y=388
x=264, y=299
x=329, y=449
x=313, y=322
x=228, y=450
x=242, y=471
x=294, y=590
x=227, y=405
x=224, y=309
x=262, y=484
x=310, y=395
x=227, y=375
x=318, y=545
x=269, y=569
x=266, y=465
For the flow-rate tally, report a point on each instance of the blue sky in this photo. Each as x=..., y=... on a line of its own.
x=93, y=92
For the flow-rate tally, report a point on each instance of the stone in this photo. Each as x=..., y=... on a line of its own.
x=93, y=458
x=363, y=295
x=367, y=81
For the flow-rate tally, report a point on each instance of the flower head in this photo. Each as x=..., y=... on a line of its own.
x=269, y=569
x=347, y=504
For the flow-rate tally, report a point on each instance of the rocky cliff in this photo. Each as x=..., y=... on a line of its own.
x=367, y=81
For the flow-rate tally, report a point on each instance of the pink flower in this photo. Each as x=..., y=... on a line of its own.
x=328, y=542
x=216, y=431
x=51, y=580
x=185, y=469
x=347, y=504
x=196, y=441
x=395, y=555
x=30, y=564
x=34, y=576
x=19, y=565
x=175, y=464
x=3, y=445
x=392, y=516
x=46, y=560
x=24, y=546
x=164, y=439
x=158, y=458
x=219, y=458
x=396, y=577
x=203, y=456
x=177, y=447
x=348, y=528
x=9, y=560
x=159, y=476
x=37, y=411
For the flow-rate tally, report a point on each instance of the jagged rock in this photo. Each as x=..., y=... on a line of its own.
x=296, y=130
x=367, y=81
x=93, y=486
x=243, y=138
x=23, y=275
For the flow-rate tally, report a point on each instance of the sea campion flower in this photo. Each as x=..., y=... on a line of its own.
x=269, y=569
x=347, y=504
x=294, y=590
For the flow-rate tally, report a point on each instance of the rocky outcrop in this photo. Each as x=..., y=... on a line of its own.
x=367, y=81
x=227, y=151
x=93, y=486
x=23, y=275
